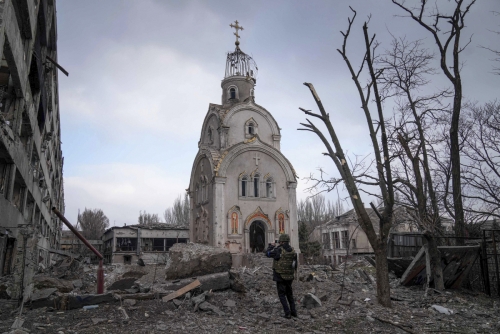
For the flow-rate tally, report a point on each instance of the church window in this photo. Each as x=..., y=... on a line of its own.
x=251, y=129
x=210, y=139
x=234, y=223
x=244, y=186
x=281, y=223
x=256, y=183
x=232, y=93
x=269, y=188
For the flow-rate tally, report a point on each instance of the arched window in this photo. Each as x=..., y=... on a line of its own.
x=232, y=93
x=281, y=223
x=269, y=188
x=234, y=223
x=251, y=128
x=244, y=186
x=256, y=182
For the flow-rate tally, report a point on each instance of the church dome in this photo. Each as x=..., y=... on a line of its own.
x=241, y=74
x=238, y=63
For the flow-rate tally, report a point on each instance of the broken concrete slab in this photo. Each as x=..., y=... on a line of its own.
x=188, y=260
x=41, y=282
x=215, y=282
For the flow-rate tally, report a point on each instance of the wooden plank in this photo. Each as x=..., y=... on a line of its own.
x=181, y=291
x=404, y=278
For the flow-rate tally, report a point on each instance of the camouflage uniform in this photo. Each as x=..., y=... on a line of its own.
x=283, y=273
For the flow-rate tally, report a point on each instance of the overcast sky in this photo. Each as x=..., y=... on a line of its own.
x=142, y=74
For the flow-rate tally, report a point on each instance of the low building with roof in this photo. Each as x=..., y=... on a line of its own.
x=343, y=236
x=126, y=244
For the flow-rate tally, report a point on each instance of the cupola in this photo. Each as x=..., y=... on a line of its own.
x=241, y=74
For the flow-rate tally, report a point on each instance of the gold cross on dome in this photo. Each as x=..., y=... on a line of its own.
x=236, y=27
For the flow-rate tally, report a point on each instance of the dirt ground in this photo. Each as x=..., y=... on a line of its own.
x=258, y=309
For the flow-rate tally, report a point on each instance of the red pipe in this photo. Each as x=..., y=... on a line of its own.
x=100, y=272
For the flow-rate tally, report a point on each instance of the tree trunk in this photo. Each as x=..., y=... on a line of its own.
x=435, y=258
x=382, y=274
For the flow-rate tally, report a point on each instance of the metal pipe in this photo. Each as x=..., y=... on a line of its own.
x=100, y=272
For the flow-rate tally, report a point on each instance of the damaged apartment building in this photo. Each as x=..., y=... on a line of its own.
x=31, y=162
x=151, y=242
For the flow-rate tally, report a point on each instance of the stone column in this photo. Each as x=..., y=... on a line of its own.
x=219, y=219
x=292, y=205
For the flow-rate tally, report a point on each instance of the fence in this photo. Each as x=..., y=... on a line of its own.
x=484, y=274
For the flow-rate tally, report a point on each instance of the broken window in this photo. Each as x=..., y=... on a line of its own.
x=345, y=239
x=158, y=244
x=5, y=169
x=126, y=244
x=336, y=240
x=232, y=94
x=173, y=241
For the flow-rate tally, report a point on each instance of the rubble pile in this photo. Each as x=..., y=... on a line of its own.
x=245, y=300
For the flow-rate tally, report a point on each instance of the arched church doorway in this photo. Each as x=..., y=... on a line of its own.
x=257, y=236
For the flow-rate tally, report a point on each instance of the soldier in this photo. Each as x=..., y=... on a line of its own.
x=284, y=266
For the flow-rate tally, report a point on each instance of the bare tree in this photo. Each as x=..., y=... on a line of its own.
x=93, y=223
x=148, y=218
x=178, y=214
x=449, y=47
x=406, y=69
x=482, y=160
x=355, y=180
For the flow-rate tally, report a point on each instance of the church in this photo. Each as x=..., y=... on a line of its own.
x=242, y=189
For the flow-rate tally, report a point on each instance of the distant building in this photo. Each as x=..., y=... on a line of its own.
x=70, y=243
x=31, y=161
x=344, y=236
x=126, y=244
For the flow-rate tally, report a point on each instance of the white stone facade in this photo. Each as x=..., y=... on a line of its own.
x=242, y=188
